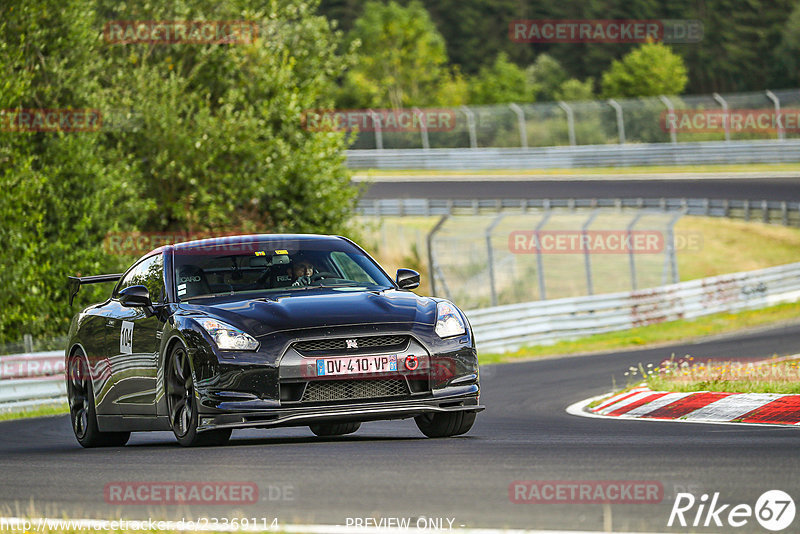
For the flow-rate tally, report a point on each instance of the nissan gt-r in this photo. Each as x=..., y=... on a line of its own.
x=208, y=336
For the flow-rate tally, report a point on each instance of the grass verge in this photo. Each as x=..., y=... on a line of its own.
x=41, y=411
x=685, y=375
x=657, y=334
x=729, y=246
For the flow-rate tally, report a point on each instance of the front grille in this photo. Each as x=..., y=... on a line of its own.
x=336, y=390
x=339, y=344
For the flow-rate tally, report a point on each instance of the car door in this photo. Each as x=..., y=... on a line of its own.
x=133, y=340
x=94, y=343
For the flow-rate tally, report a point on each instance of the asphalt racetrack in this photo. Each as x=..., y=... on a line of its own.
x=787, y=189
x=389, y=470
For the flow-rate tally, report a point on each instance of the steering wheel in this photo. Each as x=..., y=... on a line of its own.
x=316, y=277
x=321, y=276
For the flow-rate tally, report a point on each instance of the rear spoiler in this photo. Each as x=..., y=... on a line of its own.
x=74, y=282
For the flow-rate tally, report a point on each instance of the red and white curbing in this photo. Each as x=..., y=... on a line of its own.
x=702, y=406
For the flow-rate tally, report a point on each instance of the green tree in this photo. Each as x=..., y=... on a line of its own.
x=344, y=12
x=499, y=83
x=574, y=89
x=650, y=70
x=220, y=128
x=62, y=191
x=402, y=60
x=786, y=70
x=545, y=77
x=195, y=137
x=478, y=29
x=741, y=48
x=736, y=52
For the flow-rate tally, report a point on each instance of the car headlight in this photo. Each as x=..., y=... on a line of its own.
x=448, y=320
x=228, y=337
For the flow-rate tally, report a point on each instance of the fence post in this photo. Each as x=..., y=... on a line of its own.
x=775, y=100
x=423, y=129
x=586, y=260
x=490, y=256
x=724, y=105
x=671, y=256
x=431, y=255
x=523, y=131
x=539, y=262
x=376, y=121
x=631, y=261
x=570, y=121
x=473, y=136
x=27, y=341
x=620, y=122
x=670, y=109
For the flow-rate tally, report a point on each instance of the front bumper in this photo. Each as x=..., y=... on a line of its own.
x=452, y=399
x=272, y=387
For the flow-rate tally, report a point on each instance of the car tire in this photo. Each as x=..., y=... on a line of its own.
x=182, y=403
x=447, y=424
x=334, y=429
x=82, y=411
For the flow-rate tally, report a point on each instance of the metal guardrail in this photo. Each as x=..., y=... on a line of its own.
x=504, y=328
x=31, y=379
x=31, y=392
x=565, y=157
x=779, y=212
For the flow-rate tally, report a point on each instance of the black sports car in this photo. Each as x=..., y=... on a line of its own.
x=261, y=331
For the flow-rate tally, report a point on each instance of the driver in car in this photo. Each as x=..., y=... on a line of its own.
x=301, y=272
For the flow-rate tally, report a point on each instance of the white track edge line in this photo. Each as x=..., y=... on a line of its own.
x=294, y=528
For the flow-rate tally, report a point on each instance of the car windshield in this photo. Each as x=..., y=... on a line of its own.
x=225, y=266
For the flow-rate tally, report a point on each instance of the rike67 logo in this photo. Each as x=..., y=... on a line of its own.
x=774, y=510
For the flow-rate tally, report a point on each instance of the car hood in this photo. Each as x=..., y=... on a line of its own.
x=320, y=308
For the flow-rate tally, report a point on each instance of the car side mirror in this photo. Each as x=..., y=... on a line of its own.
x=135, y=297
x=407, y=279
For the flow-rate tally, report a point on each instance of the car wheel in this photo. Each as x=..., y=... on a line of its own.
x=334, y=429
x=82, y=413
x=442, y=425
x=182, y=404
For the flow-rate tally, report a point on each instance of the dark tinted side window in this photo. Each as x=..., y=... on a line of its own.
x=149, y=273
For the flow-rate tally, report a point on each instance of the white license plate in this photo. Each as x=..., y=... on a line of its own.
x=356, y=365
